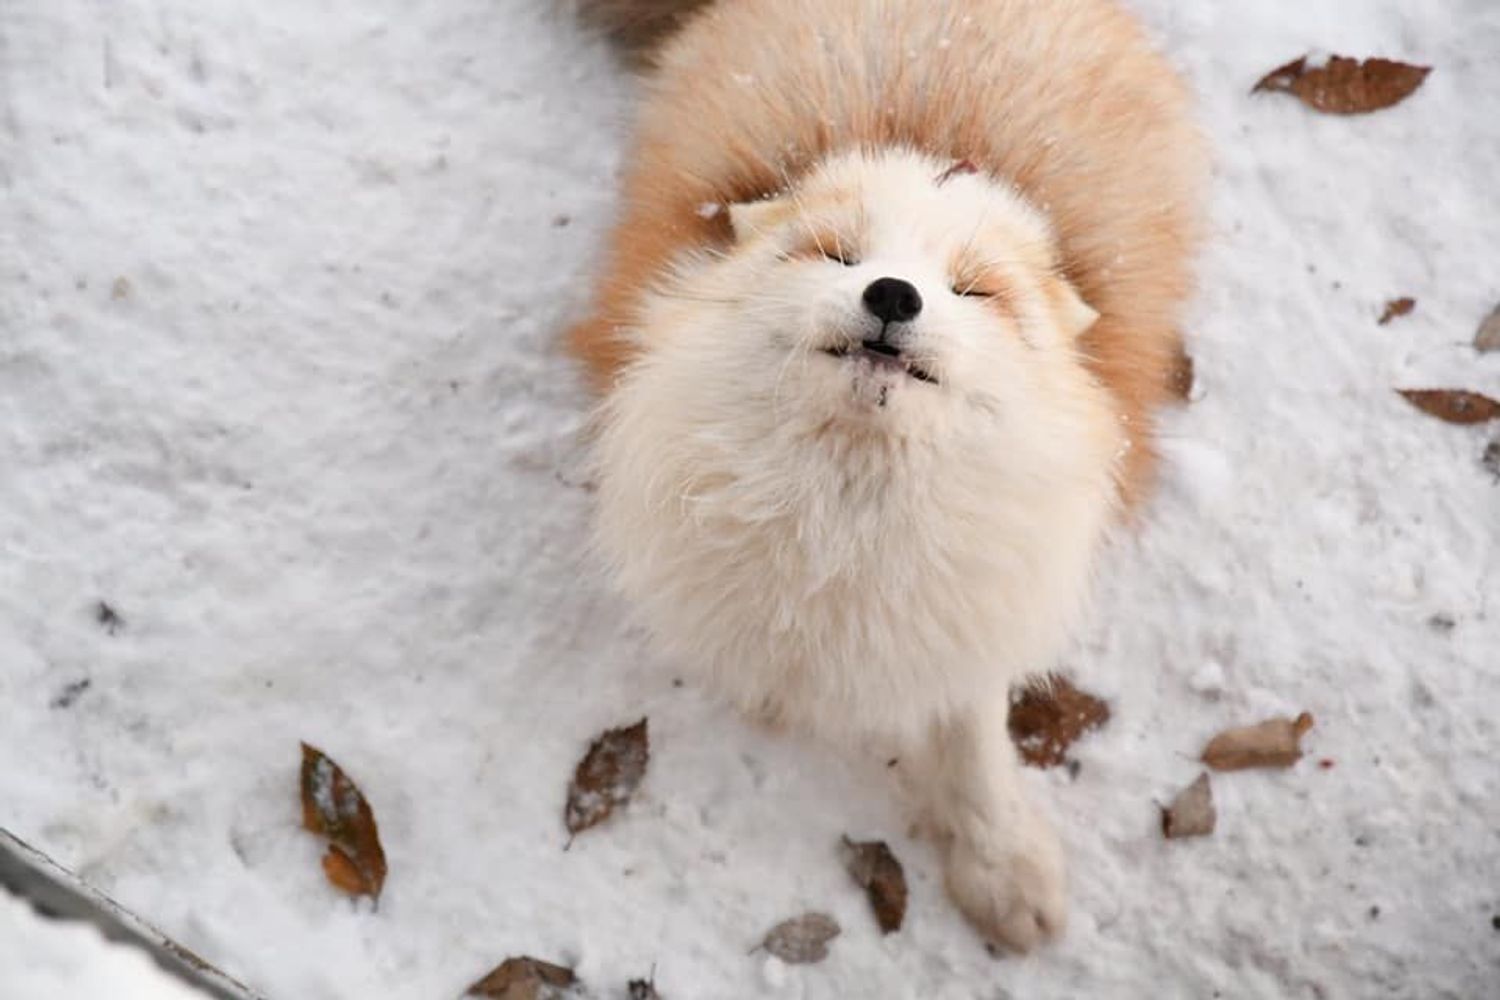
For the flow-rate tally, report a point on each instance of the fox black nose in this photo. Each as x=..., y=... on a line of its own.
x=893, y=300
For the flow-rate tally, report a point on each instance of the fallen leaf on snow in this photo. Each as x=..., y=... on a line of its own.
x=1344, y=86
x=1273, y=743
x=1487, y=338
x=1192, y=813
x=345, y=874
x=607, y=776
x=875, y=869
x=1396, y=308
x=333, y=807
x=525, y=978
x=803, y=939
x=1046, y=719
x=1453, y=405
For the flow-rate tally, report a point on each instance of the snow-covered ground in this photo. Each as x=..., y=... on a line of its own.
x=48, y=960
x=279, y=290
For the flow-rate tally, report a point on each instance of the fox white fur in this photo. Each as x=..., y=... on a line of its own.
x=875, y=544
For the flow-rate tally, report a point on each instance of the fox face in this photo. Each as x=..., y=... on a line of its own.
x=885, y=294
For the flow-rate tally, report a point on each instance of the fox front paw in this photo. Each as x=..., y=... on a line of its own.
x=1014, y=891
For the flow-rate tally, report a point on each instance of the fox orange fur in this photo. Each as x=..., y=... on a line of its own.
x=881, y=331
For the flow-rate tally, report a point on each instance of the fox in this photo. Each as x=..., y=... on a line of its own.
x=879, y=339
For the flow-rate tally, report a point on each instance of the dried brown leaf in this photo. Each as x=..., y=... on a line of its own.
x=607, y=776
x=343, y=872
x=875, y=869
x=1487, y=337
x=1396, y=308
x=525, y=978
x=1280, y=79
x=1045, y=720
x=1192, y=813
x=333, y=807
x=1273, y=743
x=1344, y=86
x=1456, y=406
x=802, y=940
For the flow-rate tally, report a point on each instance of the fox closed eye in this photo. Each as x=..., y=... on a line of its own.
x=975, y=288
x=830, y=254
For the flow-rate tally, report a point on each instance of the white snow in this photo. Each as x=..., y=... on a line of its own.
x=319, y=451
x=72, y=961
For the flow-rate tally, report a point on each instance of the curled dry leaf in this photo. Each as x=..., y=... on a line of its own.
x=875, y=869
x=607, y=776
x=1273, y=743
x=1487, y=337
x=802, y=940
x=1344, y=86
x=1192, y=813
x=1396, y=308
x=1045, y=720
x=333, y=807
x=525, y=978
x=1456, y=406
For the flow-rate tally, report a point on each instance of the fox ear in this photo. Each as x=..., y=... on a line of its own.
x=750, y=218
x=1074, y=315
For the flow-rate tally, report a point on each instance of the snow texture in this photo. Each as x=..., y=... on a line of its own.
x=55, y=960
x=280, y=290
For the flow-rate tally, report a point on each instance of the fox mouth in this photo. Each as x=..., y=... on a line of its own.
x=882, y=355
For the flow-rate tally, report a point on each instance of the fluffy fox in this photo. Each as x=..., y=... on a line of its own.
x=879, y=336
